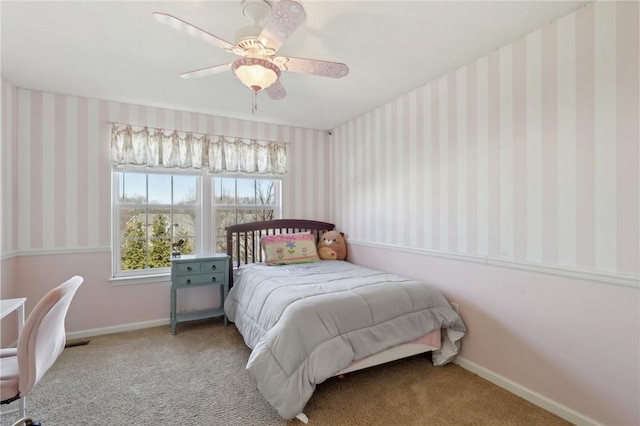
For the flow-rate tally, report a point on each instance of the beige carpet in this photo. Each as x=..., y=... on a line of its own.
x=149, y=377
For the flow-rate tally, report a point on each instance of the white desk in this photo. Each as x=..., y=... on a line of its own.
x=9, y=305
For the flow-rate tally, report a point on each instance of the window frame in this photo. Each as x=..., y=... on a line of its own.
x=206, y=207
x=116, y=207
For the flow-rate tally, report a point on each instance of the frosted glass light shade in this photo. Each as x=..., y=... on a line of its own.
x=256, y=73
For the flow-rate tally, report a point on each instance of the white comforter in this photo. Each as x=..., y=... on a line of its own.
x=306, y=322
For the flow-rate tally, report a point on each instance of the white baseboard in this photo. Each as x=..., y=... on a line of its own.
x=116, y=329
x=531, y=396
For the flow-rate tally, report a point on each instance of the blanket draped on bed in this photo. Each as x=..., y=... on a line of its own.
x=305, y=322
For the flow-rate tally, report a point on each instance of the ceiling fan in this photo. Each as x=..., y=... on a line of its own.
x=259, y=68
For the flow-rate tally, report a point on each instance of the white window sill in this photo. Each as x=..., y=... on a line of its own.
x=141, y=279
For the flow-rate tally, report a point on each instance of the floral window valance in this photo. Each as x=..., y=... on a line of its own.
x=159, y=148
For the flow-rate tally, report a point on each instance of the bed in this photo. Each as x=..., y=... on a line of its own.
x=309, y=319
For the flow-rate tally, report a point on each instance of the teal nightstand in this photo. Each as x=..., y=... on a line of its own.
x=197, y=271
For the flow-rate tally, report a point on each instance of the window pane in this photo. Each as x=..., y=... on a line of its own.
x=185, y=189
x=225, y=190
x=184, y=230
x=159, y=237
x=247, y=191
x=131, y=215
x=248, y=247
x=228, y=217
x=159, y=189
x=266, y=192
x=133, y=240
x=159, y=252
x=224, y=218
x=132, y=188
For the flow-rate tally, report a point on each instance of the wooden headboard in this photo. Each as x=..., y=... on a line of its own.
x=243, y=240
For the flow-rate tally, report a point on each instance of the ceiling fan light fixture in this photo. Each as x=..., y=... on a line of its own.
x=256, y=73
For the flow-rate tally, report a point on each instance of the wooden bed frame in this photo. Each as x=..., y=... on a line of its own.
x=243, y=246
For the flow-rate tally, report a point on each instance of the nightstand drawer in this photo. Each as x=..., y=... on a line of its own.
x=187, y=268
x=213, y=266
x=187, y=280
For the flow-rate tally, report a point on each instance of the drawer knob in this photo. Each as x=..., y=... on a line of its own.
x=213, y=279
x=188, y=281
x=189, y=268
x=213, y=267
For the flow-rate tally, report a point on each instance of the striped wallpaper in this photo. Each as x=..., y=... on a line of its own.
x=56, y=166
x=7, y=169
x=529, y=153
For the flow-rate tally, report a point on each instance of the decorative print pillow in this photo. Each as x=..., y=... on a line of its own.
x=286, y=249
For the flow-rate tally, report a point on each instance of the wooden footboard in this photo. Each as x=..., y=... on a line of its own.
x=243, y=240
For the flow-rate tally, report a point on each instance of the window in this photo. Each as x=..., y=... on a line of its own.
x=239, y=200
x=153, y=211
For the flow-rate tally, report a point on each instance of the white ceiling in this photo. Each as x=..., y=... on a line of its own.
x=117, y=51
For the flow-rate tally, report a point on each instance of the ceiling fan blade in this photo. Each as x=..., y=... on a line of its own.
x=312, y=66
x=206, y=71
x=276, y=91
x=286, y=17
x=186, y=27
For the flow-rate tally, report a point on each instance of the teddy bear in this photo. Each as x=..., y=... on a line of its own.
x=332, y=246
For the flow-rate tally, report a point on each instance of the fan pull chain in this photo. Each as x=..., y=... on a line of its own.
x=254, y=106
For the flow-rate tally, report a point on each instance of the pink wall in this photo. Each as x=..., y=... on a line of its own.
x=97, y=304
x=524, y=160
x=8, y=149
x=8, y=174
x=574, y=342
x=9, y=325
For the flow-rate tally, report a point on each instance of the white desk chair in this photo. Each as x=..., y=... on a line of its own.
x=40, y=342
